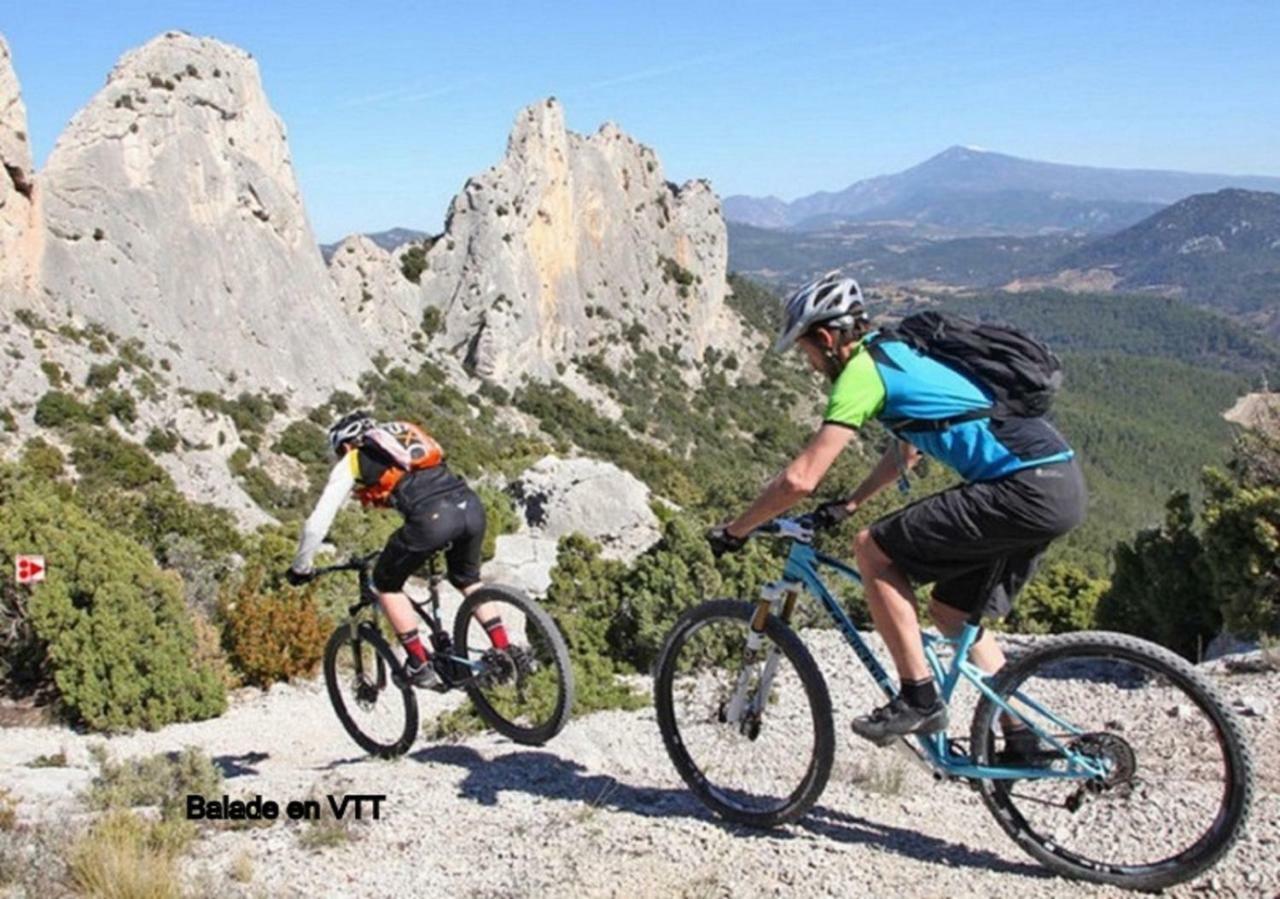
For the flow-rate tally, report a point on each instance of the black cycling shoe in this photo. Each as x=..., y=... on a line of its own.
x=898, y=719
x=421, y=675
x=1023, y=749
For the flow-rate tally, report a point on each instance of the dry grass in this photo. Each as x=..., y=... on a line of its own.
x=8, y=811
x=124, y=857
x=242, y=868
x=162, y=780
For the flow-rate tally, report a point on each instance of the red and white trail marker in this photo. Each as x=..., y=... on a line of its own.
x=28, y=569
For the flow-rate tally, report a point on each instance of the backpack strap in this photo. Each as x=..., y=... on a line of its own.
x=917, y=425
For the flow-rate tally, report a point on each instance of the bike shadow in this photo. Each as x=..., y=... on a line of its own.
x=544, y=774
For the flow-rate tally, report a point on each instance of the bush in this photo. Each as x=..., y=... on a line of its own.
x=119, y=638
x=42, y=459
x=57, y=409
x=163, y=780
x=1062, y=599
x=413, y=263
x=500, y=517
x=304, y=441
x=105, y=459
x=114, y=403
x=272, y=636
x=161, y=440
x=432, y=320
x=102, y=375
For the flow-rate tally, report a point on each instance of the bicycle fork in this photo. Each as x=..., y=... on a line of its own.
x=745, y=705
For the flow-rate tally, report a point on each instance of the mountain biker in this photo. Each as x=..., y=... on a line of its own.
x=978, y=543
x=398, y=465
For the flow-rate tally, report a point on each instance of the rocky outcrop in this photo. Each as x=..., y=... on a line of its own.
x=572, y=245
x=557, y=497
x=172, y=214
x=1257, y=411
x=376, y=295
x=19, y=235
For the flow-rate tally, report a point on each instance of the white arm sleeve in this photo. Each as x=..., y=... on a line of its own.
x=341, y=482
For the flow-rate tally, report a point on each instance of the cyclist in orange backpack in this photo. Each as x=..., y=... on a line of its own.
x=399, y=465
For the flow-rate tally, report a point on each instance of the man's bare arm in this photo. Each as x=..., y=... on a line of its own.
x=796, y=481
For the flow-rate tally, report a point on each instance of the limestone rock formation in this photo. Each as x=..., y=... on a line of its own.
x=172, y=214
x=19, y=235
x=557, y=497
x=374, y=293
x=570, y=241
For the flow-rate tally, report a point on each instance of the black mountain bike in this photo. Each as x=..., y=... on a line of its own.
x=524, y=692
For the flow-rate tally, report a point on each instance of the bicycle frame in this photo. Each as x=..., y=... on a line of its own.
x=935, y=750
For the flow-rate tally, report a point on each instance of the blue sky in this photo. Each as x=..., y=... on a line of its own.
x=391, y=105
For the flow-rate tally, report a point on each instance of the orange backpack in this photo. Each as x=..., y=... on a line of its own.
x=406, y=447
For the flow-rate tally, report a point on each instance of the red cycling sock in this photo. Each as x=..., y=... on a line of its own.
x=413, y=645
x=497, y=632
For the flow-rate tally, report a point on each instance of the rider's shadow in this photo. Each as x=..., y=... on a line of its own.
x=540, y=773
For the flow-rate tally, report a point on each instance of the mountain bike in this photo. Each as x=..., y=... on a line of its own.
x=524, y=692
x=1143, y=777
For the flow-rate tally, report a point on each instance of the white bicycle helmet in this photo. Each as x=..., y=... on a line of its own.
x=348, y=429
x=832, y=300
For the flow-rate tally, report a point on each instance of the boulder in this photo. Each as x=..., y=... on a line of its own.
x=557, y=497
x=171, y=214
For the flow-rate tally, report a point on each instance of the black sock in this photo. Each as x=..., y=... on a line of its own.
x=920, y=694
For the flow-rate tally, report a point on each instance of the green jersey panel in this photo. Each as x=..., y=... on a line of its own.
x=858, y=395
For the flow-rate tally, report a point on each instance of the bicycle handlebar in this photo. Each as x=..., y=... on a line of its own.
x=355, y=563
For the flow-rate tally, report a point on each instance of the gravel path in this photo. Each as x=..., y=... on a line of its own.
x=601, y=812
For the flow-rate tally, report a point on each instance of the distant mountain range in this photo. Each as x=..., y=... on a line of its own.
x=964, y=191
x=1220, y=250
x=388, y=240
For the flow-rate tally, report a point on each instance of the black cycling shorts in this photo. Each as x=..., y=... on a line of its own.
x=454, y=522
x=979, y=543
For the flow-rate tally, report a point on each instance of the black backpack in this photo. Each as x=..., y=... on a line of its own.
x=1021, y=372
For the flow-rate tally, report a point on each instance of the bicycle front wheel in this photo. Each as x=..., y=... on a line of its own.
x=750, y=731
x=525, y=690
x=1178, y=776
x=358, y=670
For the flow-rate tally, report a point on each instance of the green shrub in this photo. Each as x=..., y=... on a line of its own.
x=161, y=440
x=119, y=638
x=304, y=441
x=42, y=459
x=57, y=409
x=413, y=263
x=53, y=372
x=272, y=636
x=163, y=780
x=105, y=459
x=432, y=320
x=1062, y=598
x=8, y=422
x=114, y=403
x=102, y=374
x=500, y=517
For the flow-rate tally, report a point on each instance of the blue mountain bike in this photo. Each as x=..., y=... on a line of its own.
x=1143, y=780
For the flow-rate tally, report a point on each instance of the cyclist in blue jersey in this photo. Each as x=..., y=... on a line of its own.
x=978, y=543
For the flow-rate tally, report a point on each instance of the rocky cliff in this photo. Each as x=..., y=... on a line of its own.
x=19, y=233
x=570, y=241
x=172, y=213
x=377, y=296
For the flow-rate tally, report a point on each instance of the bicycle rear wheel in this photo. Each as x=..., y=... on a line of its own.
x=769, y=766
x=1179, y=775
x=525, y=691
x=358, y=670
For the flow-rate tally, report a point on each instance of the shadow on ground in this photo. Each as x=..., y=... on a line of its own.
x=544, y=774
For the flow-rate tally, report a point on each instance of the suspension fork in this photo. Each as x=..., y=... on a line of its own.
x=776, y=599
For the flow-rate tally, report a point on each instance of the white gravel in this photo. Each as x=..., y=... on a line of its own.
x=601, y=812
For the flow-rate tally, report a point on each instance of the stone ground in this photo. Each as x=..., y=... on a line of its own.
x=600, y=811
